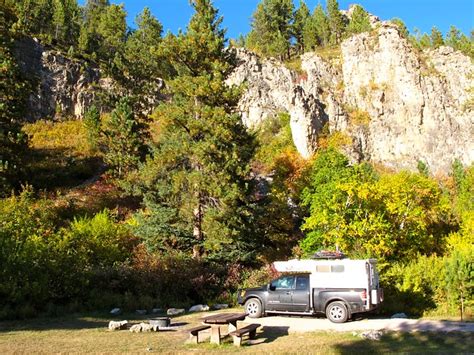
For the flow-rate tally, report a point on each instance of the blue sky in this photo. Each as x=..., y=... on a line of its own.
x=422, y=14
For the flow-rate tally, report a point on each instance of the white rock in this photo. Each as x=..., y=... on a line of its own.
x=220, y=306
x=372, y=335
x=136, y=328
x=175, y=311
x=147, y=327
x=417, y=103
x=113, y=325
x=116, y=311
x=199, y=308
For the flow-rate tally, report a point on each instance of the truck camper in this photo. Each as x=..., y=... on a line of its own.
x=336, y=287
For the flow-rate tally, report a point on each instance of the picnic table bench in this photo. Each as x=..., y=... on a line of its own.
x=218, y=320
x=238, y=334
x=194, y=333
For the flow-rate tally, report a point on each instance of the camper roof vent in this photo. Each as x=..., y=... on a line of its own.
x=325, y=254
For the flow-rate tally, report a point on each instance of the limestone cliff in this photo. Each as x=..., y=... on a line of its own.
x=61, y=86
x=395, y=104
x=398, y=105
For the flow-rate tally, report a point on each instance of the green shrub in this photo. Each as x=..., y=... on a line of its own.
x=414, y=288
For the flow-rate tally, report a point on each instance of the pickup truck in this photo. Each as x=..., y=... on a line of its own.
x=337, y=288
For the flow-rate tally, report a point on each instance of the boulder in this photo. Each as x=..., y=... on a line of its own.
x=147, y=327
x=113, y=325
x=199, y=308
x=136, y=328
x=372, y=335
x=220, y=306
x=175, y=311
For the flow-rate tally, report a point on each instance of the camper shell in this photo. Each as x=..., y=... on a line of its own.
x=338, y=288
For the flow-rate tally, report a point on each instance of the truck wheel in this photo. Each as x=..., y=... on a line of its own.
x=253, y=308
x=337, y=312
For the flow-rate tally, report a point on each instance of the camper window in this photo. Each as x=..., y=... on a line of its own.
x=330, y=268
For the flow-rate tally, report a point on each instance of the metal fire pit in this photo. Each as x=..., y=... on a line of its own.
x=160, y=322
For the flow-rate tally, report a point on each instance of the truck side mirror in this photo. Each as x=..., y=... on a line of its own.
x=271, y=287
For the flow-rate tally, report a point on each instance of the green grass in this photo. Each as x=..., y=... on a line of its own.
x=89, y=334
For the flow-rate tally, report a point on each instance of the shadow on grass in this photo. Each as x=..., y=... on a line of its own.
x=52, y=169
x=62, y=323
x=271, y=333
x=416, y=342
x=78, y=322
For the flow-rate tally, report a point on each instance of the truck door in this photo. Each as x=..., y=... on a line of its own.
x=301, y=294
x=280, y=293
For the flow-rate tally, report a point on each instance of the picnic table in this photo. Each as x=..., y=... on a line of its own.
x=216, y=321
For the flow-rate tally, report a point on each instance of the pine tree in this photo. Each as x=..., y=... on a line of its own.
x=123, y=139
x=141, y=68
x=271, y=28
x=436, y=38
x=301, y=17
x=336, y=21
x=89, y=38
x=112, y=29
x=59, y=19
x=424, y=41
x=13, y=94
x=401, y=27
x=453, y=37
x=196, y=183
x=359, y=21
x=92, y=125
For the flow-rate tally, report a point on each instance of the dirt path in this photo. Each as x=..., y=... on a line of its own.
x=309, y=324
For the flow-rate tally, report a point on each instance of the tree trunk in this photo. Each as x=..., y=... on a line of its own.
x=197, y=228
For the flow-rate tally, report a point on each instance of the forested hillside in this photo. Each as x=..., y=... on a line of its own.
x=129, y=178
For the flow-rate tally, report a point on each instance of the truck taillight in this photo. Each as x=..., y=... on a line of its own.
x=363, y=295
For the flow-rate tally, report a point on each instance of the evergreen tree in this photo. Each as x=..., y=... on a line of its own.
x=359, y=21
x=453, y=37
x=401, y=26
x=195, y=185
x=336, y=21
x=89, y=38
x=59, y=19
x=123, y=140
x=301, y=17
x=436, y=38
x=112, y=30
x=424, y=41
x=13, y=93
x=141, y=66
x=271, y=28
x=317, y=31
x=92, y=124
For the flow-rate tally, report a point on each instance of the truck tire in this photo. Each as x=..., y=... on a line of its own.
x=253, y=307
x=337, y=312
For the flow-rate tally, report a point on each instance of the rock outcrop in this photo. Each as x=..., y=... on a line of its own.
x=62, y=86
x=399, y=106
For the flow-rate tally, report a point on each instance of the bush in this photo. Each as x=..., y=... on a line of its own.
x=414, y=288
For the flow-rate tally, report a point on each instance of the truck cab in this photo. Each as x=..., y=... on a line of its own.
x=337, y=288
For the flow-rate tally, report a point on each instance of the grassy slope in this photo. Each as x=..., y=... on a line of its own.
x=78, y=334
